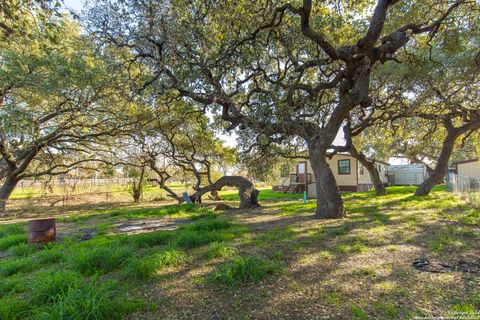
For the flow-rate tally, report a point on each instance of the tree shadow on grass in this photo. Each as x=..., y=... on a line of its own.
x=310, y=290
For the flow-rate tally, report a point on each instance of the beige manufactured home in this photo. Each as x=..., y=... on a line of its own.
x=349, y=173
x=468, y=168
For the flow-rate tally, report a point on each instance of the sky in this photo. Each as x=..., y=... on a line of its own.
x=75, y=5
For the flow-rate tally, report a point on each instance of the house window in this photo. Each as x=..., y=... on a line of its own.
x=301, y=168
x=344, y=166
x=362, y=171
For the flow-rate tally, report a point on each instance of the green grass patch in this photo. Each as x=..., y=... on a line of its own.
x=191, y=239
x=13, y=285
x=388, y=309
x=23, y=249
x=12, y=240
x=150, y=239
x=207, y=225
x=221, y=250
x=244, y=270
x=150, y=265
x=358, y=313
x=169, y=257
x=179, y=210
x=51, y=284
x=12, y=308
x=279, y=234
x=101, y=259
x=442, y=242
x=265, y=194
x=13, y=266
x=89, y=301
x=12, y=229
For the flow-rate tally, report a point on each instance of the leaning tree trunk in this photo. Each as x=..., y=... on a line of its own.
x=372, y=169
x=370, y=165
x=329, y=200
x=377, y=182
x=6, y=191
x=441, y=168
x=246, y=190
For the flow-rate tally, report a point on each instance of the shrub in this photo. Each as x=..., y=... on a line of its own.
x=244, y=270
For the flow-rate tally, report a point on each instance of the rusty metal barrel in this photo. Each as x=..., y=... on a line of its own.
x=42, y=230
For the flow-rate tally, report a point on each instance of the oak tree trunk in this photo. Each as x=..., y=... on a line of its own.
x=329, y=200
x=137, y=187
x=369, y=164
x=375, y=177
x=441, y=169
x=6, y=191
x=246, y=190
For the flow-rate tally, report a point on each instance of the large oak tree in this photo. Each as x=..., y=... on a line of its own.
x=280, y=68
x=57, y=102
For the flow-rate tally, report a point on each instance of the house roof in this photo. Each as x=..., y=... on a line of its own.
x=465, y=161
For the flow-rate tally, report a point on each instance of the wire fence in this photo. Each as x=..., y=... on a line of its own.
x=468, y=187
x=30, y=195
x=462, y=184
x=75, y=182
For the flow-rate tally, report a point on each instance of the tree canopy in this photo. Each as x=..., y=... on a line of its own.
x=141, y=82
x=281, y=69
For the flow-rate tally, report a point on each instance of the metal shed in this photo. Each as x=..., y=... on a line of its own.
x=407, y=174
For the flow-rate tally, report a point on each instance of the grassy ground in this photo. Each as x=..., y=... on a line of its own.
x=28, y=200
x=275, y=262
